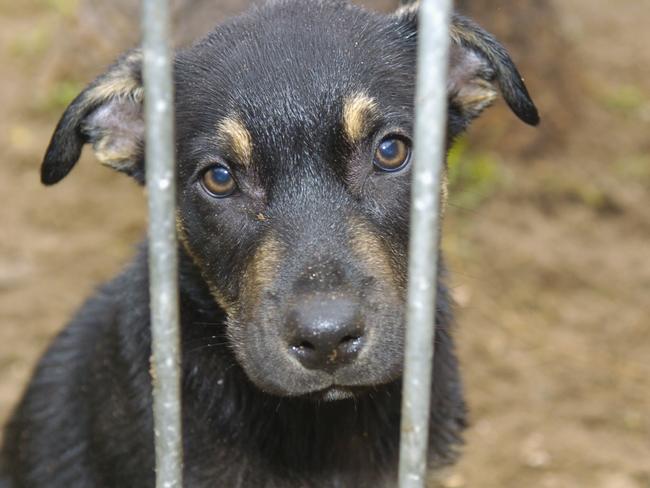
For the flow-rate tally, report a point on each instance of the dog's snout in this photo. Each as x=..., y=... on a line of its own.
x=326, y=331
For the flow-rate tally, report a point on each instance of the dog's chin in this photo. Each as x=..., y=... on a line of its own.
x=322, y=393
x=314, y=385
x=334, y=393
x=330, y=392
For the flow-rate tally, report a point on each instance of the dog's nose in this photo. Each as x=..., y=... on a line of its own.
x=326, y=331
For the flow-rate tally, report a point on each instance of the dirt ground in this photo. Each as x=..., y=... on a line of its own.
x=549, y=242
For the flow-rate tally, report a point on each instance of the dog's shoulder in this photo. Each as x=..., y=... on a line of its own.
x=93, y=375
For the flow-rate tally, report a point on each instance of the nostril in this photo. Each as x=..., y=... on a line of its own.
x=350, y=345
x=307, y=353
x=348, y=339
x=303, y=346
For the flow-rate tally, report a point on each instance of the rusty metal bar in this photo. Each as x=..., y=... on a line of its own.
x=428, y=152
x=163, y=258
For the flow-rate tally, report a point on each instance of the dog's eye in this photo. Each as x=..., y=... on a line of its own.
x=218, y=181
x=392, y=153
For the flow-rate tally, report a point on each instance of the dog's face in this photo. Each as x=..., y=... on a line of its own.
x=293, y=128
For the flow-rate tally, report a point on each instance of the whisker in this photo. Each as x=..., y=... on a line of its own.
x=208, y=324
x=206, y=346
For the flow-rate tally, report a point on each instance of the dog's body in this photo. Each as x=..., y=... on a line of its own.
x=86, y=420
x=293, y=150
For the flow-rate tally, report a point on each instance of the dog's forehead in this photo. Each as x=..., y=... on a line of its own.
x=289, y=70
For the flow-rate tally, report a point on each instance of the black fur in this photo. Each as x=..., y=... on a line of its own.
x=252, y=417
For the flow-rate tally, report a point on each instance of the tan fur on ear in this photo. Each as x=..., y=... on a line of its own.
x=496, y=67
x=478, y=96
x=410, y=8
x=121, y=81
x=469, y=90
x=111, y=153
x=116, y=130
x=118, y=87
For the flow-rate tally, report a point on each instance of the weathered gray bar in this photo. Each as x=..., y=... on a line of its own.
x=163, y=258
x=429, y=148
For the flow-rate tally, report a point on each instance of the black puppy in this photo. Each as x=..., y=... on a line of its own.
x=293, y=146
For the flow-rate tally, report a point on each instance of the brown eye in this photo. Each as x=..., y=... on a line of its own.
x=219, y=182
x=392, y=154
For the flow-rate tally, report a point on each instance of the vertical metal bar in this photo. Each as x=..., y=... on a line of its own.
x=163, y=258
x=429, y=148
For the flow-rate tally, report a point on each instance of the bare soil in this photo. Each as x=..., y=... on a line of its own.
x=551, y=266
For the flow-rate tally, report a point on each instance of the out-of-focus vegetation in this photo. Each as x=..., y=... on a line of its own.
x=473, y=175
x=626, y=99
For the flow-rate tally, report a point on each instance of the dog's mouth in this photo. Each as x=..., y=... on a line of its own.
x=336, y=393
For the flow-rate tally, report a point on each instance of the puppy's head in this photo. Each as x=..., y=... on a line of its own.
x=293, y=128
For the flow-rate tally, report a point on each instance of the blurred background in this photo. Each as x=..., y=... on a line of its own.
x=548, y=233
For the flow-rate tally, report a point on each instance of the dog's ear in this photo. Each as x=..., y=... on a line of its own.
x=479, y=65
x=108, y=114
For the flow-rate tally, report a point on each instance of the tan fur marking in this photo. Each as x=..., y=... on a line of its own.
x=477, y=95
x=230, y=307
x=233, y=130
x=116, y=86
x=119, y=82
x=116, y=156
x=357, y=110
x=477, y=101
x=379, y=260
x=263, y=268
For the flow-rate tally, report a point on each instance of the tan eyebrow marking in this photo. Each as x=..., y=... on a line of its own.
x=233, y=130
x=358, y=109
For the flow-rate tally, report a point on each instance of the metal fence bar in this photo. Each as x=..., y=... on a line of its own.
x=429, y=148
x=163, y=258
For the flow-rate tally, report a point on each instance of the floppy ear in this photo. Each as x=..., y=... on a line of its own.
x=479, y=67
x=108, y=114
